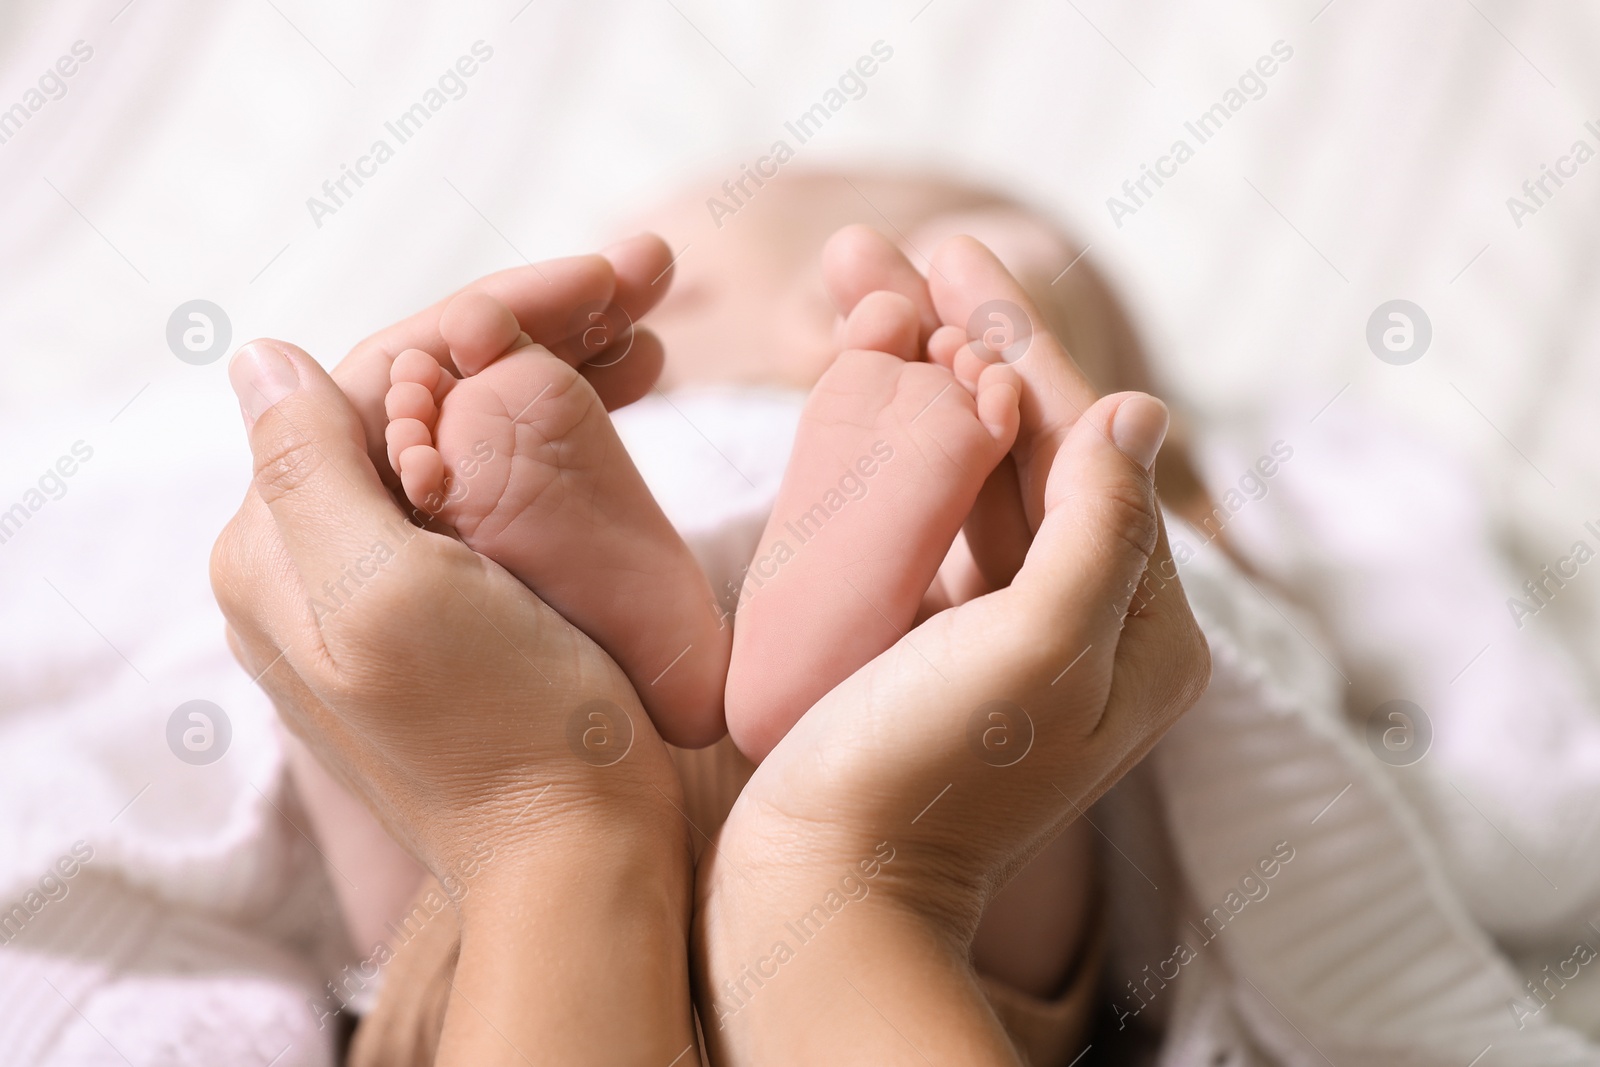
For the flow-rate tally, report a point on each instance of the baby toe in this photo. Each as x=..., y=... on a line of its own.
x=410, y=400
x=969, y=366
x=402, y=434
x=883, y=322
x=999, y=393
x=479, y=329
x=945, y=344
x=421, y=471
x=415, y=365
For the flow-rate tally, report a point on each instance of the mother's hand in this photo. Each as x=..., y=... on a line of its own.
x=330, y=593
x=419, y=671
x=938, y=769
x=485, y=732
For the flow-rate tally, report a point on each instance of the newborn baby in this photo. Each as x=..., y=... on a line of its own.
x=901, y=429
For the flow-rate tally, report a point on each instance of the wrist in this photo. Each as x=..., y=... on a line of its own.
x=636, y=849
x=765, y=861
x=576, y=951
x=567, y=818
x=781, y=944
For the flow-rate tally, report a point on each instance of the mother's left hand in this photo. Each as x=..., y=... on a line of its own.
x=462, y=708
x=1076, y=666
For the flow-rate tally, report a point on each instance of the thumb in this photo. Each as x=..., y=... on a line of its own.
x=311, y=463
x=1101, y=525
x=1101, y=573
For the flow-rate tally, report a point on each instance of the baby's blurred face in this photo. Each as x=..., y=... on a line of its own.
x=738, y=314
x=747, y=304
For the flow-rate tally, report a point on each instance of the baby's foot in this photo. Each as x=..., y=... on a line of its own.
x=521, y=459
x=887, y=462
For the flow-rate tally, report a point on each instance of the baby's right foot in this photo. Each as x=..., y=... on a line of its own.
x=521, y=459
x=887, y=463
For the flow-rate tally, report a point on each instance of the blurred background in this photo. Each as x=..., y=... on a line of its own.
x=155, y=153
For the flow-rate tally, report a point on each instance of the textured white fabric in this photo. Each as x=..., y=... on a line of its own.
x=1361, y=949
x=715, y=459
x=112, y=975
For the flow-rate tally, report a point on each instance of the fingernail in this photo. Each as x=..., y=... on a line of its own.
x=261, y=375
x=1139, y=427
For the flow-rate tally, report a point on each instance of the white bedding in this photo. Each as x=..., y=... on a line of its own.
x=178, y=160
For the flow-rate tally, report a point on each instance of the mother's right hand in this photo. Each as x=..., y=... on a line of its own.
x=920, y=784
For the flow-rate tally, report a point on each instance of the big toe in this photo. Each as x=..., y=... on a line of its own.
x=479, y=329
x=883, y=321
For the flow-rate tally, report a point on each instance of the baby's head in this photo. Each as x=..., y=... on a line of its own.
x=747, y=303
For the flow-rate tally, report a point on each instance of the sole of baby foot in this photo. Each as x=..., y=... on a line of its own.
x=889, y=457
x=522, y=461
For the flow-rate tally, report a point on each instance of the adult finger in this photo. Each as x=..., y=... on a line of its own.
x=554, y=302
x=312, y=469
x=642, y=273
x=997, y=530
x=969, y=283
x=256, y=585
x=1100, y=571
x=643, y=267
x=622, y=379
x=859, y=260
x=542, y=296
x=622, y=360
